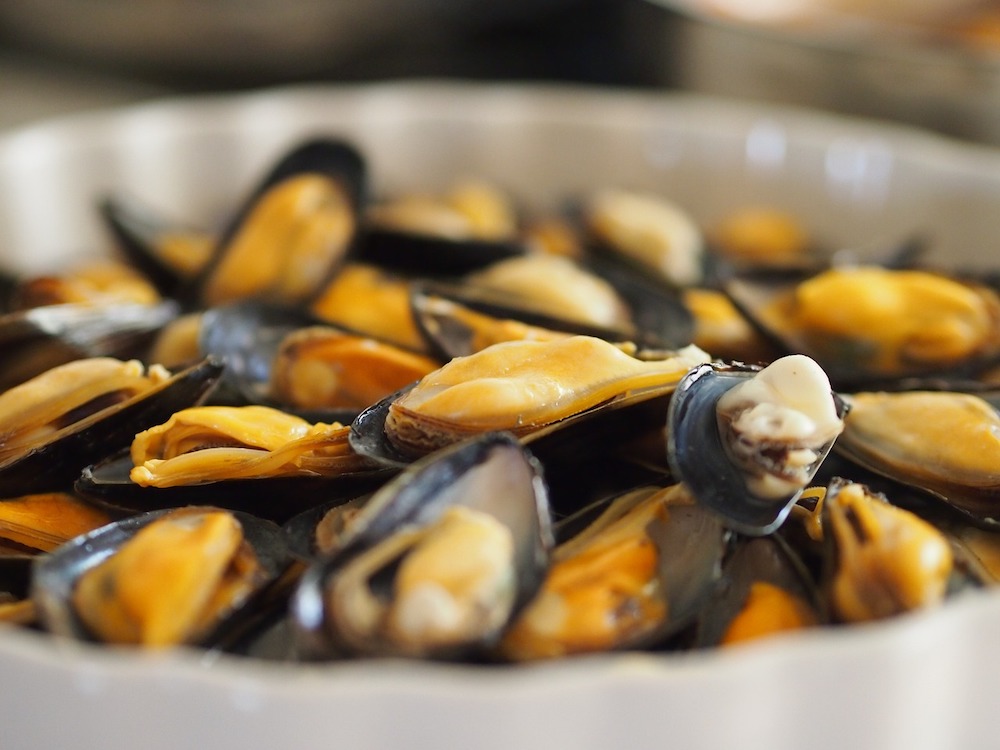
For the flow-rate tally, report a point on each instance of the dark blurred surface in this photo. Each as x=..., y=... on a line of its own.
x=563, y=40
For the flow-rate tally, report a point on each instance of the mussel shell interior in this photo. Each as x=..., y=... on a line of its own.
x=54, y=576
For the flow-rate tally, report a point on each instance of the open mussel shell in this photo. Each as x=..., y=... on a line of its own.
x=941, y=444
x=38, y=339
x=16, y=606
x=698, y=457
x=658, y=313
x=107, y=485
x=342, y=171
x=141, y=235
x=631, y=571
x=760, y=572
x=881, y=560
x=863, y=360
x=56, y=463
x=492, y=475
x=55, y=575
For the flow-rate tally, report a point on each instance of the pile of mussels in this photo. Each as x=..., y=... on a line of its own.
x=438, y=426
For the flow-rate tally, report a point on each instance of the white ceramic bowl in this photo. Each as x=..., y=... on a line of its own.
x=926, y=680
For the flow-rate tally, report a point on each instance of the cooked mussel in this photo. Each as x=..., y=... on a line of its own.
x=74, y=415
x=649, y=230
x=470, y=226
x=521, y=386
x=253, y=458
x=159, y=579
x=437, y=561
x=42, y=522
x=748, y=441
x=872, y=325
x=37, y=339
x=636, y=575
x=942, y=442
x=295, y=229
x=765, y=589
x=884, y=560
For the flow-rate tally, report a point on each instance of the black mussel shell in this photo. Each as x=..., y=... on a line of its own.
x=54, y=465
x=427, y=255
x=698, y=458
x=277, y=499
x=55, y=575
x=492, y=473
x=659, y=314
x=38, y=339
x=368, y=437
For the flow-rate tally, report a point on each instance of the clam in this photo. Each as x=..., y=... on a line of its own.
x=520, y=386
x=73, y=415
x=637, y=574
x=747, y=441
x=438, y=560
x=159, y=579
x=942, y=442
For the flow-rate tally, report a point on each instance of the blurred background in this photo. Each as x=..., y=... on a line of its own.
x=933, y=63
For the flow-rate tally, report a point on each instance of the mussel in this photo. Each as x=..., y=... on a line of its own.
x=942, y=442
x=159, y=579
x=521, y=386
x=637, y=574
x=748, y=441
x=79, y=413
x=871, y=325
x=437, y=561
x=293, y=232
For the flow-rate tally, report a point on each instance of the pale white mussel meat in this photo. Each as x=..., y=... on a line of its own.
x=748, y=441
